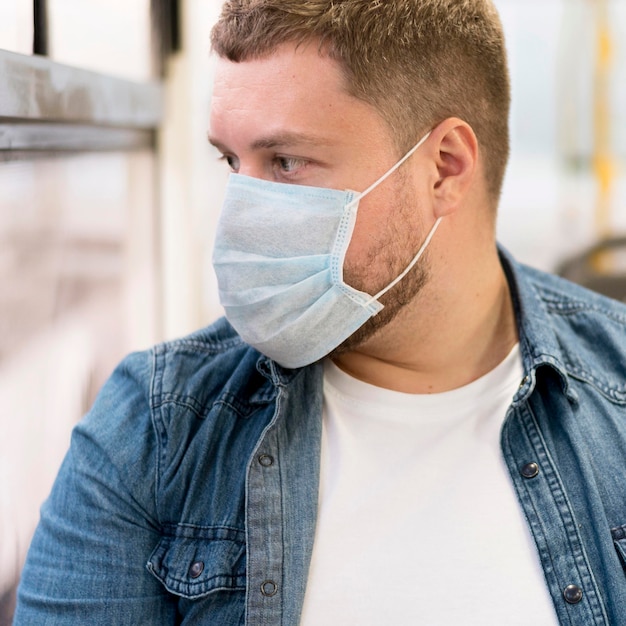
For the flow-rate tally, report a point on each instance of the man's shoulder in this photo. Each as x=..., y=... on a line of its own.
x=589, y=328
x=563, y=298
x=201, y=365
x=192, y=371
x=202, y=348
x=174, y=380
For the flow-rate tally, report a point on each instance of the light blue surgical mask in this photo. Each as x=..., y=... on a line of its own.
x=279, y=255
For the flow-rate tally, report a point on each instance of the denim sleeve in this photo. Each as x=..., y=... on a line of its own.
x=87, y=560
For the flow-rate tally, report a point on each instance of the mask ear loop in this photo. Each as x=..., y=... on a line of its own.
x=410, y=266
x=422, y=249
x=391, y=171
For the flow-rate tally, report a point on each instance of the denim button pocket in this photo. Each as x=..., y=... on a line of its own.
x=193, y=561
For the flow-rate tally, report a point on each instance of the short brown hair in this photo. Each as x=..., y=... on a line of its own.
x=417, y=61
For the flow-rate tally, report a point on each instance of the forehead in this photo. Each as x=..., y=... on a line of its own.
x=293, y=88
x=288, y=71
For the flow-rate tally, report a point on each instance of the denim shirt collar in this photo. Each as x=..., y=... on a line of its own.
x=276, y=374
x=539, y=346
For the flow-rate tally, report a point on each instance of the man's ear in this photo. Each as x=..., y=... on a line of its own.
x=455, y=152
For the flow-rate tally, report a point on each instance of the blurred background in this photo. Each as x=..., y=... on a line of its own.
x=109, y=196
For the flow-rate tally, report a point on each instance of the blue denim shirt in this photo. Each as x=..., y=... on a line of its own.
x=189, y=493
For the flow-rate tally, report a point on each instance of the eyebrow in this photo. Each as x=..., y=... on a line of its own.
x=279, y=140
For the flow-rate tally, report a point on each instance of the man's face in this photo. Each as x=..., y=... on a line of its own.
x=288, y=118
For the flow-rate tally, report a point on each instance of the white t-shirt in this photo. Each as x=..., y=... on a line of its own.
x=418, y=521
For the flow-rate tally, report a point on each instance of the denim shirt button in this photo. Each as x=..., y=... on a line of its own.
x=530, y=470
x=269, y=588
x=573, y=594
x=618, y=533
x=266, y=460
x=196, y=569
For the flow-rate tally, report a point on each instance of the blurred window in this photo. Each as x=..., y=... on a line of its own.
x=78, y=287
x=109, y=36
x=16, y=26
x=79, y=254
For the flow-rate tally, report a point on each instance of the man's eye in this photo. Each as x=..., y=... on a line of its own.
x=233, y=161
x=289, y=164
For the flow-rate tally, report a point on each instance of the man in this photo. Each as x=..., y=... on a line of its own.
x=418, y=430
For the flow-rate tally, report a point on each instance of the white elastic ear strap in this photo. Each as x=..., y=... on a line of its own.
x=421, y=251
x=392, y=170
x=416, y=258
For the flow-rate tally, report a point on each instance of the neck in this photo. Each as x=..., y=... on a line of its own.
x=453, y=333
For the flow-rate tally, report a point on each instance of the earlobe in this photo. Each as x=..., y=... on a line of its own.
x=456, y=160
